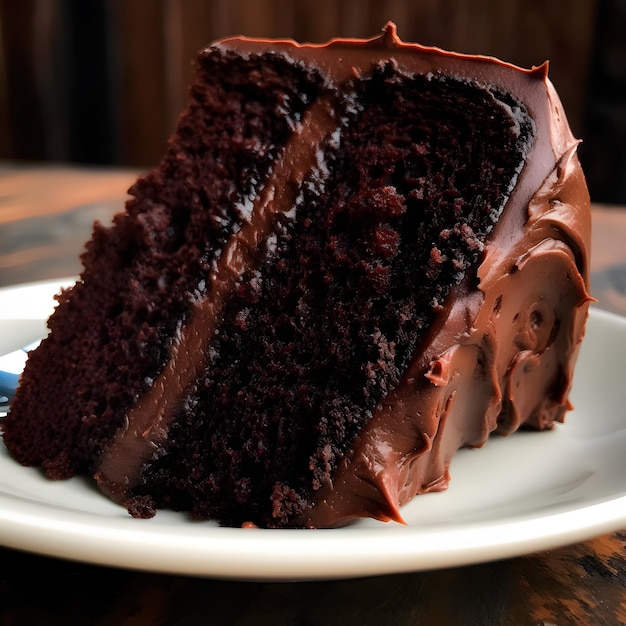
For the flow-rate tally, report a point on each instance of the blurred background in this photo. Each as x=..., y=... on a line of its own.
x=101, y=82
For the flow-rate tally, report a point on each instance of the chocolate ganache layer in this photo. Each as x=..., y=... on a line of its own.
x=354, y=259
x=501, y=357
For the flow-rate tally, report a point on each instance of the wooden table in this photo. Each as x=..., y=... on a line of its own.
x=45, y=216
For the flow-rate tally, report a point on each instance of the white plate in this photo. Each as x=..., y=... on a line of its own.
x=529, y=492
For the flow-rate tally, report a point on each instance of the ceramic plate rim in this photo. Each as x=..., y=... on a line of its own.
x=171, y=544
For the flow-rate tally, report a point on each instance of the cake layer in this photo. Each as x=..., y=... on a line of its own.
x=114, y=330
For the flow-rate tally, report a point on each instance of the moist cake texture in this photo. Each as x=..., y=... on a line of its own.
x=352, y=260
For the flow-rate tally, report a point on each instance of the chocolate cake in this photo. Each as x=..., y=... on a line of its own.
x=354, y=259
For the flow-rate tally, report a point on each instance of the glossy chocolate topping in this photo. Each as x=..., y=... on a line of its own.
x=523, y=324
x=485, y=340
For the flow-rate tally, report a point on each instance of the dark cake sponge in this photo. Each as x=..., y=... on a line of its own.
x=114, y=329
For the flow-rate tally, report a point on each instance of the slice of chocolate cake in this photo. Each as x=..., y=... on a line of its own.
x=353, y=259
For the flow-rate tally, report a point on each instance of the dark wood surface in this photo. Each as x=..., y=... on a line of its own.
x=579, y=585
x=45, y=215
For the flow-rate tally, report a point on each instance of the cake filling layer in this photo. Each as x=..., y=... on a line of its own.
x=148, y=420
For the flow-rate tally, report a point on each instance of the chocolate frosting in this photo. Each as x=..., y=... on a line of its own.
x=502, y=356
x=498, y=356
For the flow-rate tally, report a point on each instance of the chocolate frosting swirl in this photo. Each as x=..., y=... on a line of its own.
x=501, y=357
